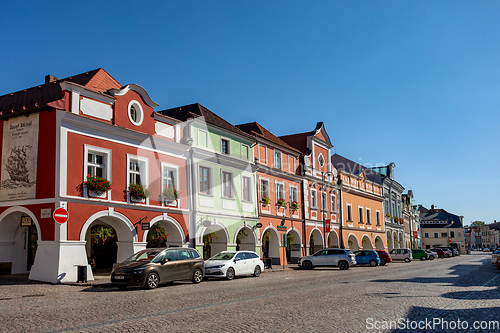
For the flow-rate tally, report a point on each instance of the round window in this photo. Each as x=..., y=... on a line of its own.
x=135, y=114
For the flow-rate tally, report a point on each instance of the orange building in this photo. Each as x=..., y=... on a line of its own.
x=362, y=207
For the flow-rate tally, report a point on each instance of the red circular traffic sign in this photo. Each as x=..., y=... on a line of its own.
x=61, y=215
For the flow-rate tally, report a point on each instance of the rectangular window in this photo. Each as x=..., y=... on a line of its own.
x=444, y=234
x=202, y=138
x=436, y=235
x=294, y=196
x=227, y=184
x=169, y=176
x=334, y=203
x=386, y=207
x=264, y=188
x=360, y=209
x=349, y=213
x=96, y=164
x=368, y=217
x=137, y=171
x=280, y=191
x=324, y=206
x=426, y=235
x=452, y=234
x=277, y=160
x=224, y=146
x=378, y=218
x=205, y=182
x=314, y=200
x=244, y=151
x=247, y=192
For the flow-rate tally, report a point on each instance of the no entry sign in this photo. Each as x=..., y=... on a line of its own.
x=61, y=215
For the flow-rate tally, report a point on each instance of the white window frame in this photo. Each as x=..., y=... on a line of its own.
x=248, y=151
x=361, y=214
x=222, y=138
x=324, y=199
x=292, y=189
x=144, y=175
x=231, y=184
x=265, y=154
x=377, y=214
x=163, y=182
x=349, y=212
x=426, y=235
x=249, y=199
x=138, y=108
x=107, y=163
x=276, y=153
x=279, y=194
x=333, y=203
x=436, y=235
x=368, y=216
x=268, y=194
x=210, y=180
x=314, y=199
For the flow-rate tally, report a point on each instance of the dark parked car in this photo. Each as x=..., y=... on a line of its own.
x=367, y=257
x=152, y=267
x=384, y=256
x=440, y=252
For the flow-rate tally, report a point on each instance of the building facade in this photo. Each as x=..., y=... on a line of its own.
x=440, y=228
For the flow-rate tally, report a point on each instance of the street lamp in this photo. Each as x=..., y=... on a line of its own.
x=323, y=205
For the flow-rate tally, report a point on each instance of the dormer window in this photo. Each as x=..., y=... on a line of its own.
x=135, y=113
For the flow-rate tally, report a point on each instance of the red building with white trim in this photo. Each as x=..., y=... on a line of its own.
x=55, y=135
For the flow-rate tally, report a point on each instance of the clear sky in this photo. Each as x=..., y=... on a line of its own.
x=416, y=83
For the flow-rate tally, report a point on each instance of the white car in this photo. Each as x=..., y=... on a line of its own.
x=432, y=255
x=486, y=249
x=229, y=264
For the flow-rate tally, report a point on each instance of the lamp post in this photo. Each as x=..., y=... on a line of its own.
x=323, y=205
x=341, y=222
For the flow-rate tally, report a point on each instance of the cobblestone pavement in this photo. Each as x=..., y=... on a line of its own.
x=362, y=299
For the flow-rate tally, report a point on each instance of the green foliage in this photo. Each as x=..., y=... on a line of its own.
x=170, y=193
x=478, y=223
x=100, y=234
x=266, y=200
x=138, y=191
x=97, y=184
x=209, y=238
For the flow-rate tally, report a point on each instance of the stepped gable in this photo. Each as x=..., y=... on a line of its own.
x=31, y=99
x=258, y=130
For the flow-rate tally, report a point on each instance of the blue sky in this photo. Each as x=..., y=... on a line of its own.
x=411, y=82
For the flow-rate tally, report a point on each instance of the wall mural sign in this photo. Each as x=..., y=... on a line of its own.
x=19, y=158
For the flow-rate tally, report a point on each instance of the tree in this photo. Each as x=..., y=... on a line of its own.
x=477, y=223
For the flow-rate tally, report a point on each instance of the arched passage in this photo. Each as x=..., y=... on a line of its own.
x=270, y=246
x=367, y=243
x=379, y=243
x=215, y=239
x=123, y=230
x=353, y=242
x=175, y=236
x=292, y=246
x=315, y=241
x=245, y=239
x=333, y=239
x=18, y=244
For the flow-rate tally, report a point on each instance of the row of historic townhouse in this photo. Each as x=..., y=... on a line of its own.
x=131, y=177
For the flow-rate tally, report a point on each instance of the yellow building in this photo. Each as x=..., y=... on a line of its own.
x=361, y=202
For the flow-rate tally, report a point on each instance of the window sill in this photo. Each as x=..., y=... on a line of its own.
x=206, y=194
x=228, y=198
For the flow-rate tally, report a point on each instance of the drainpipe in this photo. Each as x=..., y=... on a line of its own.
x=304, y=237
x=341, y=222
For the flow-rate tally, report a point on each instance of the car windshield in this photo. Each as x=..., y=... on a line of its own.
x=146, y=255
x=223, y=256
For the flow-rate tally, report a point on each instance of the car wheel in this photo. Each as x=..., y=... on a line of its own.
x=343, y=265
x=382, y=262
x=152, y=281
x=407, y=259
x=257, y=271
x=423, y=258
x=373, y=263
x=431, y=258
x=197, y=276
x=307, y=265
x=447, y=256
x=230, y=273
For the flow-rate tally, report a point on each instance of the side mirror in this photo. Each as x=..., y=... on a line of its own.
x=236, y=259
x=164, y=261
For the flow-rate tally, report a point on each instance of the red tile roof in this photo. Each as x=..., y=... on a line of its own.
x=183, y=113
x=298, y=141
x=259, y=131
x=39, y=96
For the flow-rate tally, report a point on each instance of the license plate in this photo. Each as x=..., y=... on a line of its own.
x=119, y=277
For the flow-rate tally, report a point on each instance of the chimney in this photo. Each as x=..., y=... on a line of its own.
x=432, y=207
x=50, y=78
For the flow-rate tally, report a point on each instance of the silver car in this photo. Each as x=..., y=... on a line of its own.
x=401, y=254
x=340, y=258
